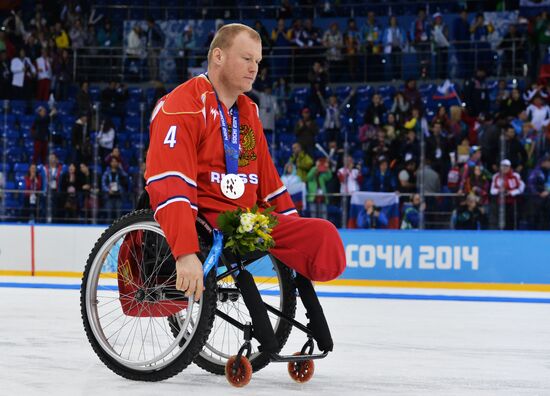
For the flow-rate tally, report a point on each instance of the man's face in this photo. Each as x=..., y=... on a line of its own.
x=239, y=63
x=383, y=166
x=480, y=74
x=52, y=160
x=369, y=204
x=306, y=115
x=477, y=171
x=510, y=133
x=370, y=17
x=288, y=169
x=296, y=149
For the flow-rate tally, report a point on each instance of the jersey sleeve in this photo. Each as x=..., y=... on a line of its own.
x=271, y=189
x=171, y=175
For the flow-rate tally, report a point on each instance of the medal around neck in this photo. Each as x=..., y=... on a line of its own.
x=232, y=186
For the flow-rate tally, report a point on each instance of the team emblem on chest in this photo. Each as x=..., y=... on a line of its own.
x=248, y=144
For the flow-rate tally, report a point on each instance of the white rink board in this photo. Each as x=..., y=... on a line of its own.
x=56, y=248
x=15, y=247
x=64, y=248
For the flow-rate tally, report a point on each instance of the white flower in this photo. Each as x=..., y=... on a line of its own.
x=247, y=222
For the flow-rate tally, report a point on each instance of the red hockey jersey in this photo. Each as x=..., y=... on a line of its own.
x=186, y=161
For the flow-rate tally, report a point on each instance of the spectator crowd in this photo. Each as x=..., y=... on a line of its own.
x=483, y=142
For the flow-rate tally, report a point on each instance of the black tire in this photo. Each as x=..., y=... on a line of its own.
x=198, y=337
x=259, y=360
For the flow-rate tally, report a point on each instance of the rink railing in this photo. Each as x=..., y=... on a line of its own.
x=487, y=260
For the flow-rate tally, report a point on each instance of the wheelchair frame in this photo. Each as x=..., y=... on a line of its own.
x=238, y=369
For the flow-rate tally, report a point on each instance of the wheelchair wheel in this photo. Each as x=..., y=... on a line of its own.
x=276, y=285
x=127, y=295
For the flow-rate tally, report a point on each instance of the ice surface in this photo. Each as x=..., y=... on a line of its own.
x=382, y=346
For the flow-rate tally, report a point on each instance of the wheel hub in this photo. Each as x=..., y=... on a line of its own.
x=140, y=295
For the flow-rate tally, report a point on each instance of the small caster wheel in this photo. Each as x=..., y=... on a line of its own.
x=301, y=371
x=238, y=374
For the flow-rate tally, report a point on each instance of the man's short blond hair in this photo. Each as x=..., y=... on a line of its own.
x=226, y=34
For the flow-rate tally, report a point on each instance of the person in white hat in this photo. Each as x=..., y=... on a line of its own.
x=510, y=182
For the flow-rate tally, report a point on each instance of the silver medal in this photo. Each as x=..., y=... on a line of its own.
x=232, y=186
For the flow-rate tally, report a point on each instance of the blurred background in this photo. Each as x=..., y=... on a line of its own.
x=391, y=114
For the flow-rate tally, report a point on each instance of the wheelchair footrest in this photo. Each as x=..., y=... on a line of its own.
x=275, y=357
x=263, y=331
x=317, y=322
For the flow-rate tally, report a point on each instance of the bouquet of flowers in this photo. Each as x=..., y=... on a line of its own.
x=248, y=230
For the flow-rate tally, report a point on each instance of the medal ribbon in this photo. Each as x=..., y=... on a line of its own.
x=230, y=145
x=215, y=252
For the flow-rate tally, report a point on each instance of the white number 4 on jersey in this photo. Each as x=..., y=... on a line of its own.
x=170, y=138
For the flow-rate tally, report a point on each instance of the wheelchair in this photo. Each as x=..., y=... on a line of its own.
x=144, y=329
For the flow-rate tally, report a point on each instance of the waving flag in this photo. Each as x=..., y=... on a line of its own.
x=387, y=202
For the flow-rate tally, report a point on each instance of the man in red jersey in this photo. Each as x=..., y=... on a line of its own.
x=208, y=153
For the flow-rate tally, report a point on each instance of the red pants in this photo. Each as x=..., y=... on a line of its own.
x=43, y=89
x=40, y=152
x=311, y=247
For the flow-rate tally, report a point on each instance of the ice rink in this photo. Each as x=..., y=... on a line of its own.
x=387, y=341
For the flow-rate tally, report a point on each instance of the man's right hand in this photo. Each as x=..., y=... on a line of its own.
x=190, y=275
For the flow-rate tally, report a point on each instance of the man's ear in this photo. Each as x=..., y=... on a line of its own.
x=217, y=56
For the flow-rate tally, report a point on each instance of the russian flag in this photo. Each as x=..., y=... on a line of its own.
x=387, y=202
x=446, y=94
x=298, y=195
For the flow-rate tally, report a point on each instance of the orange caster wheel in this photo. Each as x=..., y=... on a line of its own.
x=239, y=374
x=301, y=371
